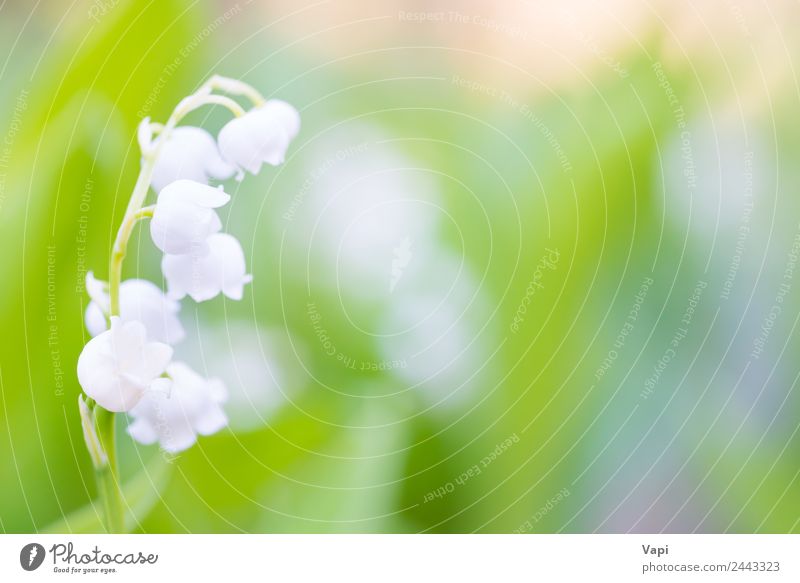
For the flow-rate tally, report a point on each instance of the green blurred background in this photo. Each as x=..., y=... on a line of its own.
x=527, y=268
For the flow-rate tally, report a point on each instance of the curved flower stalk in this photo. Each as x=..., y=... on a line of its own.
x=127, y=366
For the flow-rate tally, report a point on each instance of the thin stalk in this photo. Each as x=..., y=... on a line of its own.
x=107, y=475
x=235, y=87
x=125, y=230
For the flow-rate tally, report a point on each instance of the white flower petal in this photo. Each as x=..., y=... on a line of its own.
x=180, y=437
x=210, y=421
x=142, y=432
x=155, y=358
x=197, y=193
x=190, y=407
x=142, y=301
x=99, y=306
x=161, y=385
x=95, y=319
x=173, y=165
x=285, y=113
x=217, y=390
x=189, y=153
x=261, y=135
x=180, y=227
x=118, y=365
x=203, y=277
x=97, y=291
x=183, y=218
x=127, y=338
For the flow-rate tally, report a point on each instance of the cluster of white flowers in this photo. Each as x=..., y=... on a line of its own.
x=127, y=366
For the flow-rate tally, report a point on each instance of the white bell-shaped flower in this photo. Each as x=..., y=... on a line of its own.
x=261, y=135
x=139, y=300
x=189, y=153
x=117, y=366
x=204, y=276
x=285, y=113
x=184, y=216
x=174, y=417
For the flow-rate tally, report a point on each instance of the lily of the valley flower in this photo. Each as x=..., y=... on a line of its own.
x=139, y=300
x=262, y=135
x=285, y=113
x=189, y=153
x=205, y=275
x=117, y=366
x=174, y=417
x=184, y=216
x=126, y=367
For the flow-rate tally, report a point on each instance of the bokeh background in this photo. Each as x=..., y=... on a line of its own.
x=529, y=266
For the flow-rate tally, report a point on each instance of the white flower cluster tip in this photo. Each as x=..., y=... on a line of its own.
x=127, y=366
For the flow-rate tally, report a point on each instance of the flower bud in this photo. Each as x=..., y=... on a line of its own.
x=96, y=451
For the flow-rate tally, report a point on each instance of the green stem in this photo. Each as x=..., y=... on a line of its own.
x=236, y=109
x=124, y=233
x=108, y=475
x=235, y=87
